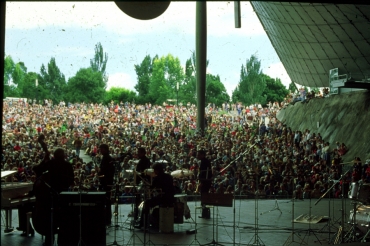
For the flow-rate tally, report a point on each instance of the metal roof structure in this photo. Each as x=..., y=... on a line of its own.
x=312, y=38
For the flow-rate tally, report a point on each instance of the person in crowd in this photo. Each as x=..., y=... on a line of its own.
x=78, y=145
x=298, y=193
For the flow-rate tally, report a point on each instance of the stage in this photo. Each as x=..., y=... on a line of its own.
x=236, y=225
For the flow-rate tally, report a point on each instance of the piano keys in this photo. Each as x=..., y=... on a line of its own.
x=12, y=195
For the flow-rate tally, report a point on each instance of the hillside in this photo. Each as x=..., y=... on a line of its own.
x=344, y=118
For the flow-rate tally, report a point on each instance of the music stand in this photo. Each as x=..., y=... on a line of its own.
x=219, y=200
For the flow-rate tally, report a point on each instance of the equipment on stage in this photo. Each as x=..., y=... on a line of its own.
x=181, y=208
x=149, y=172
x=13, y=195
x=90, y=221
x=215, y=200
x=276, y=207
x=293, y=235
x=181, y=173
x=359, y=219
x=359, y=192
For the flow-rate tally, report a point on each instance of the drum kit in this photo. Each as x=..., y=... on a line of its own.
x=360, y=214
x=181, y=208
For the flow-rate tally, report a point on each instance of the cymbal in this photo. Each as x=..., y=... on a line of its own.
x=149, y=172
x=181, y=173
x=129, y=171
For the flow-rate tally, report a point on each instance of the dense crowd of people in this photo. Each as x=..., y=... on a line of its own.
x=251, y=152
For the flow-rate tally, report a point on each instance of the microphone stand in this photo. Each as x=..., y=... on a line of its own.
x=116, y=205
x=339, y=234
x=247, y=150
x=80, y=241
x=329, y=224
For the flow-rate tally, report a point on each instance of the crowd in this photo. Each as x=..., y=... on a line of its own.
x=250, y=150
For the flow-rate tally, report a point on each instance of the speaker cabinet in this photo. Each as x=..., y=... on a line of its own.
x=91, y=206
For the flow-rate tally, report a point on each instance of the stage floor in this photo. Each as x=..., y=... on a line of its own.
x=235, y=225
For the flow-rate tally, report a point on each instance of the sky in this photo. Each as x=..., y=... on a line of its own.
x=69, y=31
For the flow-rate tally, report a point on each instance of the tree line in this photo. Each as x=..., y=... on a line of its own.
x=158, y=80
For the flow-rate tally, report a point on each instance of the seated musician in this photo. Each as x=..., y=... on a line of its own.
x=164, y=183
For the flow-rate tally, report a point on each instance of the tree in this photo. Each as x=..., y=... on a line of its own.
x=8, y=69
x=292, y=87
x=18, y=75
x=215, y=90
x=14, y=74
x=251, y=84
x=144, y=73
x=99, y=62
x=118, y=94
x=29, y=86
x=52, y=82
x=275, y=91
x=167, y=72
x=188, y=89
x=86, y=86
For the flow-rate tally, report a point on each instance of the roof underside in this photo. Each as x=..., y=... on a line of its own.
x=312, y=38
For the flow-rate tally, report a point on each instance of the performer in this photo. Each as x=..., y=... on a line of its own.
x=53, y=177
x=106, y=174
x=164, y=182
x=205, y=179
x=144, y=163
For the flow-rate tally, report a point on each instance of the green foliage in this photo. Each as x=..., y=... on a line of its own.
x=275, y=91
x=187, y=92
x=99, y=62
x=251, y=84
x=292, y=87
x=144, y=73
x=167, y=71
x=86, y=86
x=118, y=94
x=52, y=82
x=29, y=87
x=215, y=90
x=8, y=69
x=14, y=74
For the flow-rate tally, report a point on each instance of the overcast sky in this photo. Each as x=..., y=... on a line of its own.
x=68, y=31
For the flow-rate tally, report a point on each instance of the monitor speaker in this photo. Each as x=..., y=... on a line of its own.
x=92, y=210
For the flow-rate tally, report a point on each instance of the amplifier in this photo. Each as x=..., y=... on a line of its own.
x=92, y=206
x=85, y=198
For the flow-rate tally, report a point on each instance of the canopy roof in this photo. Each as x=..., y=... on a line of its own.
x=312, y=38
